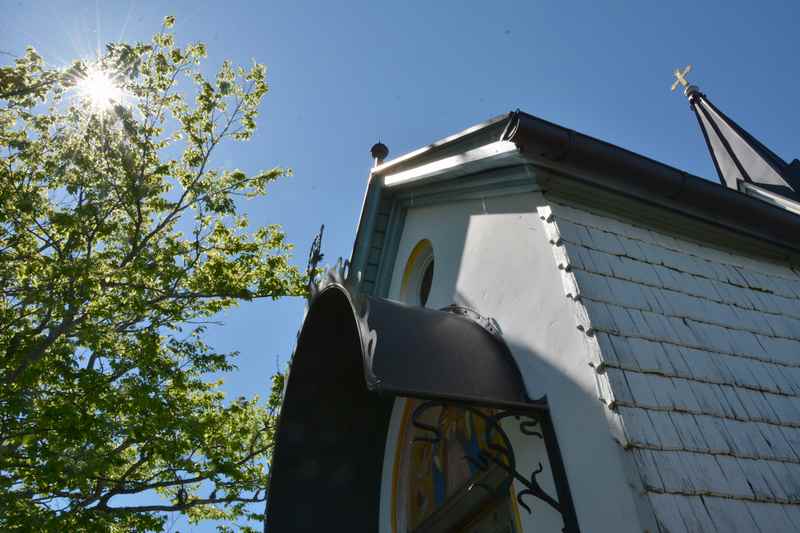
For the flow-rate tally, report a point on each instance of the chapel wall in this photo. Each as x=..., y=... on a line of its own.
x=493, y=255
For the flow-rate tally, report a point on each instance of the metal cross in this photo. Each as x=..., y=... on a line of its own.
x=681, y=77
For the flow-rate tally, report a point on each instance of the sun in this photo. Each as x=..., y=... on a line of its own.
x=100, y=90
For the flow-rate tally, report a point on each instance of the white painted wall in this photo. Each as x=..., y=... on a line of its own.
x=492, y=255
x=385, y=512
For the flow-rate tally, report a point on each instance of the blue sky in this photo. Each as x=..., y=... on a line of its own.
x=343, y=75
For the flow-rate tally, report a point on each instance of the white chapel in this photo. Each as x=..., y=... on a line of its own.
x=538, y=331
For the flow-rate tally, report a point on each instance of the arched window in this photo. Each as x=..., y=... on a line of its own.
x=418, y=274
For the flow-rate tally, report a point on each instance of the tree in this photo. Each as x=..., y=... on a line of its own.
x=118, y=243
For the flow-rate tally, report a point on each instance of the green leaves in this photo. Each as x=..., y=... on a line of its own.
x=116, y=240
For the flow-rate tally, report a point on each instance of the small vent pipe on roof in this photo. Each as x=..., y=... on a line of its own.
x=379, y=152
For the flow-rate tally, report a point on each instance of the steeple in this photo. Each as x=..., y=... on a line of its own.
x=742, y=162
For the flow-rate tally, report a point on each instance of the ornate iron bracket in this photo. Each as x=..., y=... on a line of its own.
x=315, y=255
x=500, y=454
x=487, y=323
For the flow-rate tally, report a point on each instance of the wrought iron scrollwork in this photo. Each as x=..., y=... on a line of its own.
x=487, y=323
x=315, y=255
x=499, y=452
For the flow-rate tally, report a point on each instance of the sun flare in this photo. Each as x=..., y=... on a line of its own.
x=100, y=90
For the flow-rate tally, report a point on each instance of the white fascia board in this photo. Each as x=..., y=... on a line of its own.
x=386, y=168
x=492, y=155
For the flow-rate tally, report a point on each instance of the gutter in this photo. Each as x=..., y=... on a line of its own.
x=600, y=164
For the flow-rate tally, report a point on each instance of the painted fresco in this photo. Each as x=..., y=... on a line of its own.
x=432, y=473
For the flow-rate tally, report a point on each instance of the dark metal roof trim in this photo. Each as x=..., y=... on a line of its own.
x=331, y=434
x=424, y=353
x=354, y=354
x=589, y=160
x=454, y=353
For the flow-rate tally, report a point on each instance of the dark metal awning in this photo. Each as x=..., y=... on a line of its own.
x=354, y=355
x=424, y=353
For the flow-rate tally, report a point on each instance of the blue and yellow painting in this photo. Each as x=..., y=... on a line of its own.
x=429, y=470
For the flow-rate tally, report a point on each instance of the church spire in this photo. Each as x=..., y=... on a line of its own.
x=742, y=162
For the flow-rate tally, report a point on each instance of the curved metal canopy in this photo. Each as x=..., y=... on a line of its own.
x=354, y=354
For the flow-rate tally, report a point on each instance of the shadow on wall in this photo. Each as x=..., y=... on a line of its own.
x=502, y=266
x=596, y=470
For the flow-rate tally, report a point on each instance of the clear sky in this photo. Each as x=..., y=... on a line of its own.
x=343, y=74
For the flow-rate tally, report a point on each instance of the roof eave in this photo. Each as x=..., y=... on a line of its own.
x=410, y=159
x=579, y=157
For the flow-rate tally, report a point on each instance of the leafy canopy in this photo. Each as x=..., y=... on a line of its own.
x=118, y=241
